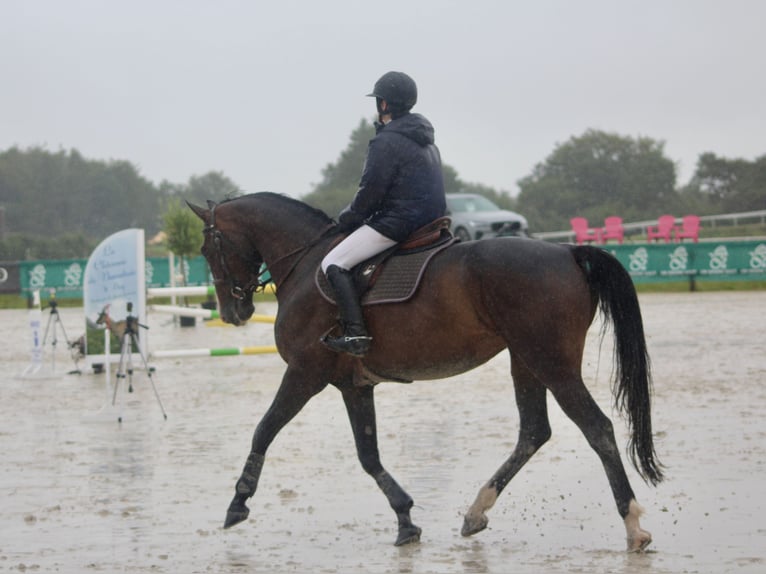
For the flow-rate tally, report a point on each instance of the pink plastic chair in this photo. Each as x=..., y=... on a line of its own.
x=663, y=229
x=613, y=229
x=583, y=233
x=690, y=228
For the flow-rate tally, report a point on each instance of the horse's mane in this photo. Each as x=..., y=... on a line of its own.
x=286, y=199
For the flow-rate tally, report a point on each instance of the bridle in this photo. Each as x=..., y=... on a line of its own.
x=256, y=282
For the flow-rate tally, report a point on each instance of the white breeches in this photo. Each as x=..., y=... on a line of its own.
x=360, y=245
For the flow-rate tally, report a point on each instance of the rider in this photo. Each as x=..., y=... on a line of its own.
x=401, y=190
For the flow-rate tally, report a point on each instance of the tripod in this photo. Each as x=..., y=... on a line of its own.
x=125, y=368
x=54, y=323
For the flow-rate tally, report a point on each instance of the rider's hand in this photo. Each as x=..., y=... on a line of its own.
x=348, y=220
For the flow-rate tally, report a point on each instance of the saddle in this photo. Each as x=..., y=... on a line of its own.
x=394, y=275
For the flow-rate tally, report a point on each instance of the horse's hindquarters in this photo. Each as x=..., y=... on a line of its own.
x=477, y=299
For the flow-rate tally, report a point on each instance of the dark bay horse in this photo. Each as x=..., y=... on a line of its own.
x=533, y=298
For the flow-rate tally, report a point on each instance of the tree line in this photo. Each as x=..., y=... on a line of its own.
x=60, y=204
x=599, y=174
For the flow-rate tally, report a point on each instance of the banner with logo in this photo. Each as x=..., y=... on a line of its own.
x=646, y=262
x=720, y=261
x=65, y=276
x=62, y=276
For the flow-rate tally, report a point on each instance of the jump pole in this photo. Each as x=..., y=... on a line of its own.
x=191, y=291
x=206, y=314
x=152, y=292
x=222, y=352
x=203, y=313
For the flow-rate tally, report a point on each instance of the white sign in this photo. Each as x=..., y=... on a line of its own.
x=114, y=287
x=35, y=337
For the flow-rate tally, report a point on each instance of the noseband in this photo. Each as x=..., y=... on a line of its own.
x=239, y=292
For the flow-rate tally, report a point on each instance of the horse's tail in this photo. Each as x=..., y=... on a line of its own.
x=618, y=302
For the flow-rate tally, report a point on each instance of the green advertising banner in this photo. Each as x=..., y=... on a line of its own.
x=720, y=261
x=646, y=263
x=158, y=272
x=65, y=276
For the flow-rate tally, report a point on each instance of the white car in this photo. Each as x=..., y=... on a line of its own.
x=476, y=217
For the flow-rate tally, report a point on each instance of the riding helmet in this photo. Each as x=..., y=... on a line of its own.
x=398, y=89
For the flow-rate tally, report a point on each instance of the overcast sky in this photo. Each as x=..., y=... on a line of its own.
x=268, y=92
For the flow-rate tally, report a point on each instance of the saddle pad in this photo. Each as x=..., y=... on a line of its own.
x=398, y=280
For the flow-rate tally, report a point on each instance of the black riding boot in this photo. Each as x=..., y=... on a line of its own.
x=355, y=340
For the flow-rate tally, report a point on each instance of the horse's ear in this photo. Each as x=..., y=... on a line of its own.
x=200, y=211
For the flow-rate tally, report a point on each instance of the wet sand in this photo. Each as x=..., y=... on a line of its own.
x=82, y=493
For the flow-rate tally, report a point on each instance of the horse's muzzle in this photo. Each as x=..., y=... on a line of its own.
x=237, y=312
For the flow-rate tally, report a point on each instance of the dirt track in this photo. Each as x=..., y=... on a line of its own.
x=82, y=493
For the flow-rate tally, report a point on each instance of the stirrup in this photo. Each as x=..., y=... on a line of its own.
x=356, y=345
x=357, y=338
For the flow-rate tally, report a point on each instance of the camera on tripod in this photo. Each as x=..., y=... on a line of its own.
x=54, y=324
x=129, y=340
x=52, y=303
x=131, y=321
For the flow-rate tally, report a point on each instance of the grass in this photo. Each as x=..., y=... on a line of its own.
x=683, y=286
x=754, y=230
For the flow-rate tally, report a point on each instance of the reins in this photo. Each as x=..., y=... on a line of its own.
x=303, y=250
x=255, y=282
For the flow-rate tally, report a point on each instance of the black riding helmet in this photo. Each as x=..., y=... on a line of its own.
x=399, y=91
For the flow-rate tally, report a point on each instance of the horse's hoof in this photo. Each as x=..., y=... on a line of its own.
x=235, y=515
x=408, y=535
x=640, y=542
x=473, y=524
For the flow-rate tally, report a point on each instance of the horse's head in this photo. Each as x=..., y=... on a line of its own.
x=103, y=316
x=234, y=262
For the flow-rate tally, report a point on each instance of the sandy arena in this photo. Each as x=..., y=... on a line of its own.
x=82, y=493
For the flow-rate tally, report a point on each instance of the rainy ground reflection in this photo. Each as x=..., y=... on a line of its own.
x=83, y=493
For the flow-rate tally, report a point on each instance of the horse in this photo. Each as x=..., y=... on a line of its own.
x=116, y=328
x=533, y=298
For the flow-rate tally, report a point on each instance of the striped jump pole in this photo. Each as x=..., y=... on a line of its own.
x=222, y=352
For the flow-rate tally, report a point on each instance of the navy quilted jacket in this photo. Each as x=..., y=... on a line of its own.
x=402, y=187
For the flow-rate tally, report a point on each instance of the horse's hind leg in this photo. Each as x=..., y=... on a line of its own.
x=534, y=431
x=294, y=392
x=360, y=404
x=578, y=404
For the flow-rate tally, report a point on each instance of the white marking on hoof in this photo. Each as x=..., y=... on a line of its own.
x=638, y=539
x=474, y=524
x=475, y=519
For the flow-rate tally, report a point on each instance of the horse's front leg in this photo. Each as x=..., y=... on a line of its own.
x=360, y=405
x=296, y=389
